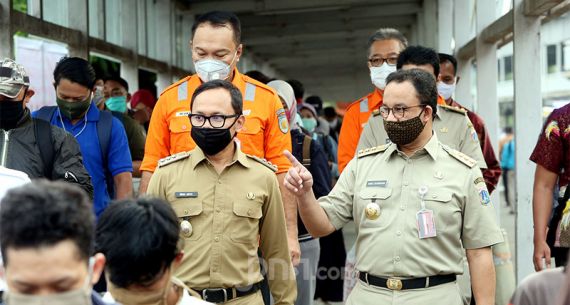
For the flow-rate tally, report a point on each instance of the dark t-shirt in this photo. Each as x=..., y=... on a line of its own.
x=136, y=136
x=552, y=150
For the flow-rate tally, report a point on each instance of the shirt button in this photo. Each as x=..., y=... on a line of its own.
x=398, y=233
x=402, y=208
x=219, y=181
x=216, y=239
x=397, y=259
x=406, y=183
x=218, y=210
x=184, y=127
x=249, y=212
x=186, y=212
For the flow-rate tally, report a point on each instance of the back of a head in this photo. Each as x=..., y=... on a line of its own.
x=388, y=34
x=143, y=96
x=317, y=102
x=132, y=257
x=423, y=82
x=418, y=55
x=298, y=88
x=258, y=76
x=75, y=69
x=448, y=58
x=219, y=19
x=43, y=214
x=508, y=130
x=330, y=112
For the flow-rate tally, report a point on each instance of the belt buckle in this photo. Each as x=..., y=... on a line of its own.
x=206, y=291
x=394, y=284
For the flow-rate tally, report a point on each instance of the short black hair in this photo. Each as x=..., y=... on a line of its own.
x=449, y=58
x=508, y=129
x=119, y=80
x=76, y=70
x=45, y=213
x=418, y=55
x=317, y=102
x=259, y=76
x=219, y=19
x=423, y=82
x=329, y=112
x=387, y=34
x=235, y=94
x=298, y=88
x=139, y=239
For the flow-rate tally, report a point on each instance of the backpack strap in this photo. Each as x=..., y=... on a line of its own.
x=44, y=138
x=46, y=113
x=307, y=151
x=104, y=127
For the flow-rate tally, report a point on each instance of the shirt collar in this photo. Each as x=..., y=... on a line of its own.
x=431, y=148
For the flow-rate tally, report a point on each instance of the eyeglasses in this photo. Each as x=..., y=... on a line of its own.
x=216, y=121
x=398, y=111
x=378, y=61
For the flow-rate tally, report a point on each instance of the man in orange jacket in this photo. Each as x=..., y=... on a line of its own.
x=216, y=49
x=384, y=46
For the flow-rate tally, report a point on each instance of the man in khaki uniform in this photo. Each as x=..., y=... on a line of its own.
x=450, y=124
x=415, y=202
x=228, y=204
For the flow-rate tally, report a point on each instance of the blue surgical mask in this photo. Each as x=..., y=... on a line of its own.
x=310, y=124
x=117, y=103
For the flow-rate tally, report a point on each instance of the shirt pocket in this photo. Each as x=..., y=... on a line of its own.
x=371, y=196
x=179, y=132
x=445, y=212
x=190, y=210
x=245, y=225
x=252, y=136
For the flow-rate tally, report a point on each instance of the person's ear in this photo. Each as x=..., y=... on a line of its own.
x=239, y=52
x=177, y=260
x=428, y=114
x=129, y=98
x=457, y=79
x=239, y=123
x=98, y=266
x=29, y=95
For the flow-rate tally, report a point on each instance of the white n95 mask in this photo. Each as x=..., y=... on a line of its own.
x=378, y=75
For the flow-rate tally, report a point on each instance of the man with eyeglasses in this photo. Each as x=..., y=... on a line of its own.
x=451, y=124
x=384, y=46
x=216, y=50
x=416, y=203
x=228, y=205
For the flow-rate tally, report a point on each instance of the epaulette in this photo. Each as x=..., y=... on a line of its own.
x=376, y=112
x=176, y=84
x=174, y=158
x=268, y=164
x=463, y=158
x=371, y=151
x=454, y=109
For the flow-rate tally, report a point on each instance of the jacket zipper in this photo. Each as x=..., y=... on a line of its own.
x=5, y=148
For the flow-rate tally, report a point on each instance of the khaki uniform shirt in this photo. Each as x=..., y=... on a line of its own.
x=389, y=245
x=450, y=124
x=232, y=214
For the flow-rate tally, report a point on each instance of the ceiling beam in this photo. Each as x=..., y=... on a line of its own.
x=283, y=7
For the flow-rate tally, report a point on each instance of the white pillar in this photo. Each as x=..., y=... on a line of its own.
x=166, y=39
x=129, y=67
x=528, y=110
x=77, y=19
x=430, y=23
x=6, y=36
x=462, y=35
x=445, y=26
x=487, y=77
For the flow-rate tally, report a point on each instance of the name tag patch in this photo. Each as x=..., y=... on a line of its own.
x=186, y=194
x=377, y=183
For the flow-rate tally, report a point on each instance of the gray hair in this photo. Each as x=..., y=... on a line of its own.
x=386, y=34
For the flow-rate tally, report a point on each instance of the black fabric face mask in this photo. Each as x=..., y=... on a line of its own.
x=404, y=132
x=11, y=113
x=212, y=140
